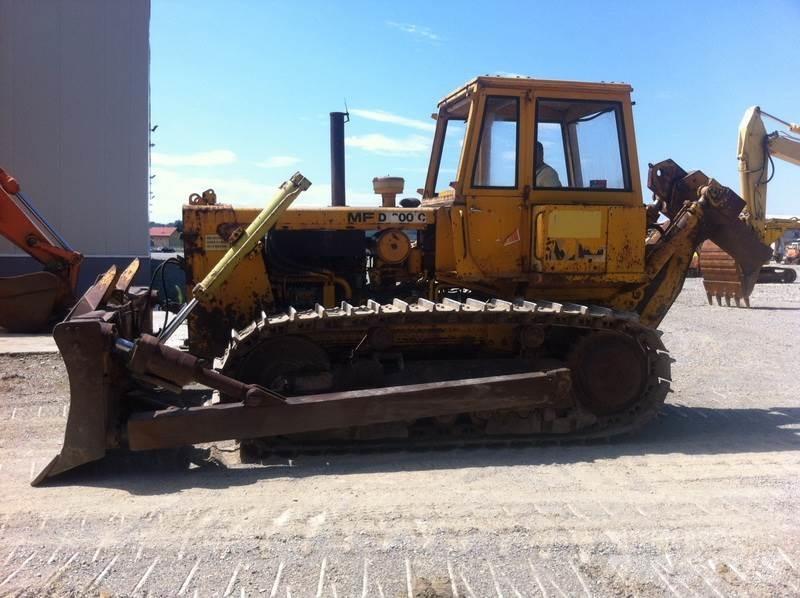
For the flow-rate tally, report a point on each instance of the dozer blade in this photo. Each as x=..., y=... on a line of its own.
x=85, y=349
x=28, y=302
x=85, y=340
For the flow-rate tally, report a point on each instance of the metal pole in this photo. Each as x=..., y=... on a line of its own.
x=337, y=158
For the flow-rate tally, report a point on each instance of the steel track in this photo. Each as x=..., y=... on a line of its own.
x=580, y=425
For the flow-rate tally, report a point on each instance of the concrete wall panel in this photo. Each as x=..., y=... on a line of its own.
x=74, y=118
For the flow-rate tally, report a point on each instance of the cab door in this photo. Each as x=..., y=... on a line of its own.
x=494, y=211
x=588, y=216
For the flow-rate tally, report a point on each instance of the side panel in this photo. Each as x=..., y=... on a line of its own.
x=247, y=290
x=627, y=229
x=589, y=239
x=570, y=239
x=495, y=236
x=444, y=249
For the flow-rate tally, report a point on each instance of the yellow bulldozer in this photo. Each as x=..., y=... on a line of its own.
x=517, y=300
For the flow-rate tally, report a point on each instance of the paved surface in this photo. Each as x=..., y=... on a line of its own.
x=16, y=344
x=13, y=344
x=703, y=502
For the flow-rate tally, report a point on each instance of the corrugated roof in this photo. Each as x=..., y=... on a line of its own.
x=162, y=231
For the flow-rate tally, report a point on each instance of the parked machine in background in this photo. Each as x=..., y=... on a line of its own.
x=722, y=275
x=504, y=306
x=34, y=302
x=791, y=254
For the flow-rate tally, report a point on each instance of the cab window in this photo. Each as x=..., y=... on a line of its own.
x=452, y=147
x=448, y=148
x=496, y=160
x=584, y=142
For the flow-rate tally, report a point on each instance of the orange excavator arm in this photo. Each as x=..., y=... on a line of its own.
x=30, y=301
x=21, y=224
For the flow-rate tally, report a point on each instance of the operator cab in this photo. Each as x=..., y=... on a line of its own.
x=575, y=209
x=487, y=133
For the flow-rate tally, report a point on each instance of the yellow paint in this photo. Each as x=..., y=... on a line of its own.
x=626, y=229
x=566, y=224
x=570, y=239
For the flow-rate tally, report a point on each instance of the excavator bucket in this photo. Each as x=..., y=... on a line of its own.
x=722, y=276
x=28, y=301
x=730, y=263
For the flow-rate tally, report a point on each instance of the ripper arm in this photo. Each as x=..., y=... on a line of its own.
x=697, y=208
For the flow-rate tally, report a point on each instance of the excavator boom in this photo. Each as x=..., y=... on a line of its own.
x=722, y=274
x=30, y=301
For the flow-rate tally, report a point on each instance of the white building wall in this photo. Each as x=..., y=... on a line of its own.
x=74, y=120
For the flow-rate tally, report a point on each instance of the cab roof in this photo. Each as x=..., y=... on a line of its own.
x=530, y=83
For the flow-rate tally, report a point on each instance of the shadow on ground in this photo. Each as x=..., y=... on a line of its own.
x=678, y=429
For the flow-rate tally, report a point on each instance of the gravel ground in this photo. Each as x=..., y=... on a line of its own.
x=701, y=502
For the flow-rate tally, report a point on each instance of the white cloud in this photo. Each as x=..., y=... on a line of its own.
x=415, y=30
x=415, y=169
x=210, y=158
x=388, y=117
x=278, y=162
x=381, y=144
x=172, y=189
x=320, y=195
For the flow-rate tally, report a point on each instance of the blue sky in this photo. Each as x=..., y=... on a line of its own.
x=241, y=90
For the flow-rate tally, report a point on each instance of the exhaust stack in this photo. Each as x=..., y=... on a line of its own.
x=337, y=158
